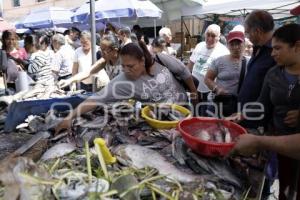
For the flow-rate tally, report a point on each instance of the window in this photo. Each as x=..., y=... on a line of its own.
x=16, y=3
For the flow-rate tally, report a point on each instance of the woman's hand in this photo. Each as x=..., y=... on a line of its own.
x=220, y=91
x=65, y=124
x=64, y=83
x=292, y=118
x=246, y=145
x=73, y=87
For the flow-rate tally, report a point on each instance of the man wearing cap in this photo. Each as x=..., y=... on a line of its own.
x=223, y=74
x=202, y=57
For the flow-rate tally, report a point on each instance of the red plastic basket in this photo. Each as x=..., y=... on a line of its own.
x=188, y=126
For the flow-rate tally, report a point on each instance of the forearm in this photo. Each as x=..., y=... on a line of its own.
x=211, y=84
x=288, y=145
x=190, y=66
x=192, y=89
x=86, y=106
x=80, y=76
x=190, y=84
x=95, y=68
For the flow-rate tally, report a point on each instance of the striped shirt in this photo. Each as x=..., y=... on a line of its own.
x=40, y=68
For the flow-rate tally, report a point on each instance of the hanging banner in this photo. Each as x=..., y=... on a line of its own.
x=227, y=23
x=288, y=20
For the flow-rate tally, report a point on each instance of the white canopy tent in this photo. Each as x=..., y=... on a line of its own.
x=172, y=9
x=278, y=8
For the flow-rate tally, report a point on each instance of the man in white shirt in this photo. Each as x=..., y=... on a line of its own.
x=63, y=58
x=166, y=33
x=202, y=57
x=83, y=62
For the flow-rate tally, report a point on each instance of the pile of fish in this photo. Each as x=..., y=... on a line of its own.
x=151, y=164
x=218, y=134
x=165, y=112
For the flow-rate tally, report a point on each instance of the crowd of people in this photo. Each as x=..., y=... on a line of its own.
x=258, y=69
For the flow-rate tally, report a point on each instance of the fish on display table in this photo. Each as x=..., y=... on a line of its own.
x=135, y=155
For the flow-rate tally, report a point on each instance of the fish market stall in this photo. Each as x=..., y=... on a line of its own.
x=113, y=153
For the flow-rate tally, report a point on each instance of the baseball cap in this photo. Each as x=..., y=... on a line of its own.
x=235, y=35
x=295, y=11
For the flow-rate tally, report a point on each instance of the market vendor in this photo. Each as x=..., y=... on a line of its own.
x=280, y=97
x=142, y=79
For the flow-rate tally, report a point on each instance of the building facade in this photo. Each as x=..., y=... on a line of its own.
x=15, y=10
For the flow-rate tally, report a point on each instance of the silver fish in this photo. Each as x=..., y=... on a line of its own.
x=228, y=138
x=58, y=150
x=36, y=123
x=218, y=137
x=203, y=135
x=141, y=157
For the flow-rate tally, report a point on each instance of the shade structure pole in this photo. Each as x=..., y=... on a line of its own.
x=93, y=29
x=154, y=28
x=182, y=38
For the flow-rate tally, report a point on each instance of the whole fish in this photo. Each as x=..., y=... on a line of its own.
x=203, y=135
x=140, y=157
x=218, y=167
x=58, y=150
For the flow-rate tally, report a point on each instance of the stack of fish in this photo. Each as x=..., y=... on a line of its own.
x=220, y=134
x=153, y=164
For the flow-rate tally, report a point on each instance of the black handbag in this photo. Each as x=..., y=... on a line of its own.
x=226, y=103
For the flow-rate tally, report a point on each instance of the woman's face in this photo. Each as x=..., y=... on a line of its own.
x=132, y=67
x=248, y=48
x=28, y=47
x=283, y=53
x=236, y=48
x=10, y=42
x=108, y=52
x=55, y=45
x=85, y=43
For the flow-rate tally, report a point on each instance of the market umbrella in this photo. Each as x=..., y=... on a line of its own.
x=4, y=25
x=48, y=18
x=109, y=9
